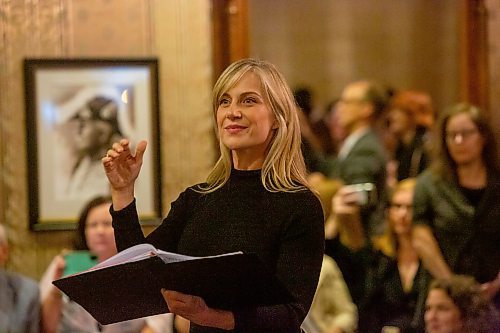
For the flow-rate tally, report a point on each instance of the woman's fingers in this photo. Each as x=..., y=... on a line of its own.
x=182, y=304
x=122, y=149
x=141, y=148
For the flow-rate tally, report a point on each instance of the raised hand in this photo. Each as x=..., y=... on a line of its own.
x=344, y=201
x=122, y=168
x=347, y=218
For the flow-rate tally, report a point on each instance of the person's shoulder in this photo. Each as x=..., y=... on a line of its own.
x=196, y=188
x=427, y=184
x=304, y=193
x=370, y=142
x=434, y=182
x=22, y=282
x=427, y=176
x=193, y=190
x=304, y=199
x=370, y=137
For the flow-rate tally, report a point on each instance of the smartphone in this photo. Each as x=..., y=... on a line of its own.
x=78, y=261
x=365, y=193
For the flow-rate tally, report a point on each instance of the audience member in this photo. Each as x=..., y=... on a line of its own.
x=457, y=305
x=362, y=158
x=312, y=148
x=19, y=296
x=323, y=130
x=337, y=132
x=256, y=199
x=59, y=314
x=422, y=105
x=410, y=147
x=390, y=285
x=457, y=206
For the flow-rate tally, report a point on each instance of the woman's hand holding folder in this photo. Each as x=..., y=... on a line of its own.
x=194, y=309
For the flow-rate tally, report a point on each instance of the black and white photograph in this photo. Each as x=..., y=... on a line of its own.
x=76, y=109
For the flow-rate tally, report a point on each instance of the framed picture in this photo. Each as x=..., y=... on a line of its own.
x=75, y=110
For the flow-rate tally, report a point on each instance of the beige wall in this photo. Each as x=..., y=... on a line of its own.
x=178, y=32
x=326, y=44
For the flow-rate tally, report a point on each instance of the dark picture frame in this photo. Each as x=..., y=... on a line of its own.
x=74, y=108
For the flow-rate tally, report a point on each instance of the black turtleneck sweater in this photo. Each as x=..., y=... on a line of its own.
x=284, y=229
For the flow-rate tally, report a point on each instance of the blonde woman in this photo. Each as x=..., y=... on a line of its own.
x=256, y=199
x=390, y=287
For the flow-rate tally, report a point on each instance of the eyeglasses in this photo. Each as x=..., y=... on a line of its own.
x=452, y=136
x=397, y=206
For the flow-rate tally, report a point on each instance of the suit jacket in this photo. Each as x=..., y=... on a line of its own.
x=365, y=163
x=19, y=303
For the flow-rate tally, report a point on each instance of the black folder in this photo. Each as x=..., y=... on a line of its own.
x=131, y=289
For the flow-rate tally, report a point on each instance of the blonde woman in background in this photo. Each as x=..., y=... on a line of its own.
x=391, y=285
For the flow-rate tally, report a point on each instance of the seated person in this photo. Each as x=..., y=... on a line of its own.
x=59, y=313
x=410, y=152
x=458, y=305
x=390, y=287
x=19, y=297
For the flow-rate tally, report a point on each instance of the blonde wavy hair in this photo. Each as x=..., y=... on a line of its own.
x=283, y=169
x=387, y=242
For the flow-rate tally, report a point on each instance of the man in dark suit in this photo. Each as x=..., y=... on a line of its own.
x=19, y=297
x=361, y=160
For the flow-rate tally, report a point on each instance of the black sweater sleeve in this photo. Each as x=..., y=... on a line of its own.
x=128, y=231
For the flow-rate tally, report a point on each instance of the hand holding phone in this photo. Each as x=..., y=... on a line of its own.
x=78, y=261
x=363, y=194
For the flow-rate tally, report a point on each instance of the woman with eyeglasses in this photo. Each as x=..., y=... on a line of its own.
x=457, y=205
x=391, y=283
